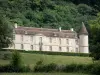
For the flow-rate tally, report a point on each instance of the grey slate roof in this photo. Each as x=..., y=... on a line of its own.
x=83, y=30
x=46, y=32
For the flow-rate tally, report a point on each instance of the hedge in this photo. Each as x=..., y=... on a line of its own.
x=82, y=68
x=52, y=53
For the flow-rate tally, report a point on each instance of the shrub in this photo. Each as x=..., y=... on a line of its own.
x=45, y=68
x=40, y=62
x=5, y=55
x=63, y=68
x=16, y=59
x=70, y=68
x=96, y=68
x=9, y=68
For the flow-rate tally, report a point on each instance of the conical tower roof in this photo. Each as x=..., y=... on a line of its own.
x=83, y=30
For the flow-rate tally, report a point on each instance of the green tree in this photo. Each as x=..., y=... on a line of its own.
x=6, y=33
x=95, y=37
x=16, y=59
x=84, y=9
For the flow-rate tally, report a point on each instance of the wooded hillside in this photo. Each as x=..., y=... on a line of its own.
x=49, y=13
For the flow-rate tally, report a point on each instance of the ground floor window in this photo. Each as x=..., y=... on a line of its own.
x=31, y=47
x=22, y=46
x=67, y=48
x=77, y=50
x=50, y=48
x=60, y=48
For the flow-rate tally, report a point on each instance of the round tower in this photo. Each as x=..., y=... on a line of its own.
x=83, y=40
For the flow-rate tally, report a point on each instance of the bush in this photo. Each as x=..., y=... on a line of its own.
x=5, y=55
x=63, y=68
x=45, y=68
x=40, y=62
x=96, y=68
x=16, y=59
x=70, y=68
x=9, y=68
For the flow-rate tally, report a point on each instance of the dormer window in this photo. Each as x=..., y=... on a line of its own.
x=67, y=36
x=55, y=34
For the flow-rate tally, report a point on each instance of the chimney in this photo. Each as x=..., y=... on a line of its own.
x=60, y=29
x=15, y=25
x=72, y=29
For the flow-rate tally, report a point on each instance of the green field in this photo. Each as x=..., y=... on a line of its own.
x=42, y=74
x=31, y=59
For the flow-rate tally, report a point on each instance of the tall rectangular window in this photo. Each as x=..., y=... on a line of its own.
x=50, y=40
x=40, y=39
x=50, y=48
x=60, y=48
x=77, y=50
x=67, y=41
x=31, y=38
x=67, y=48
x=21, y=37
x=22, y=46
x=76, y=41
x=31, y=47
x=60, y=40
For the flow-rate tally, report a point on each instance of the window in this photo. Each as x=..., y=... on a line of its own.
x=40, y=39
x=67, y=41
x=59, y=48
x=50, y=48
x=22, y=37
x=31, y=47
x=77, y=50
x=76, y=41
x=60, y=40
x=50, y=40
x=31, y=38
x=22, y=46
x=40, y=44
x=67, y=49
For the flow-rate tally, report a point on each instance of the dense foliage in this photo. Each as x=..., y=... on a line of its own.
x=46, y=13
x=6, y=34
x=16, y=59
x=95, y=38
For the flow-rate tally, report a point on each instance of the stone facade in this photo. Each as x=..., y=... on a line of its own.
x=56, y=40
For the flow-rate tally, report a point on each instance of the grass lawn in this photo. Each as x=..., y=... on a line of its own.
x=58, y=59
x=43, y=74
x=31, y=59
